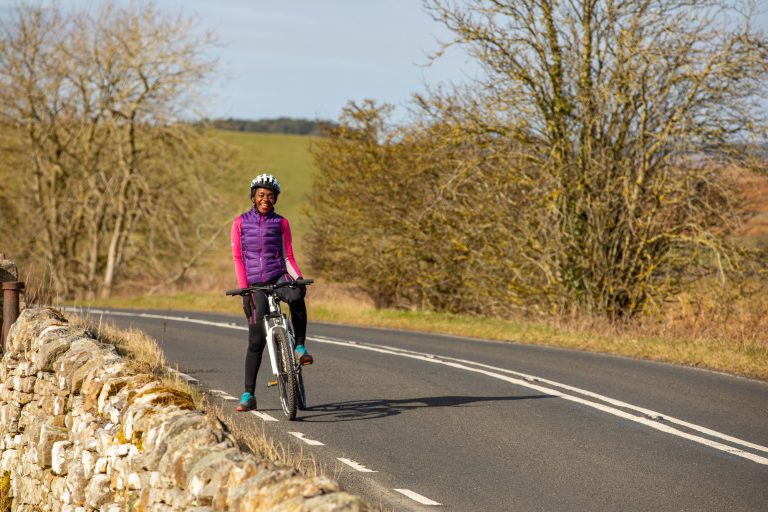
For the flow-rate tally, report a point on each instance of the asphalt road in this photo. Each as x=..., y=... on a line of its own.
x=427, y=421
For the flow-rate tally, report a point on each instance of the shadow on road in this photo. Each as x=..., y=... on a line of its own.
x=371, y=409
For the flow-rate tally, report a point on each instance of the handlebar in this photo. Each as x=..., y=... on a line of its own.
x=269, y=287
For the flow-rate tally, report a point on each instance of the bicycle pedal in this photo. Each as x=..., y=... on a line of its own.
x=271, y=383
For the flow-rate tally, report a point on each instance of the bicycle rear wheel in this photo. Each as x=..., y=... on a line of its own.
x=286, y=380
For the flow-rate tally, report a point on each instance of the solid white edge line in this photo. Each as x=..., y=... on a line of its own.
x=418, y=497
x=264, y=416
x=655, y=415
x=157, y=317
x=355, y=465
x=432, y=359
x=302, y=437
x=183, y=375
x=550, y=391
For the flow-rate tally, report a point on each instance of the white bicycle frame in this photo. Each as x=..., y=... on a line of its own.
x=274, y=310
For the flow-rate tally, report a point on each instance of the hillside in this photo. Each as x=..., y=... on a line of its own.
x=288, y=158
x=285, y=125
x=754, y=194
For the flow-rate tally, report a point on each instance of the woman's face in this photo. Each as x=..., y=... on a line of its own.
x=264, y=199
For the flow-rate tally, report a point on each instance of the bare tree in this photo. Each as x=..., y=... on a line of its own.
x=626, y=112
x=95, y=103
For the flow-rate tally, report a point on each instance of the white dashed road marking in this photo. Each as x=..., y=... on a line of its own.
x=418, y=497
x=357, y=467
x=302, y=437
x=226, y=396
x=263, y=415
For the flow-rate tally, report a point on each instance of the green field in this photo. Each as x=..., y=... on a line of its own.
x=288, y=158
x=285, y=156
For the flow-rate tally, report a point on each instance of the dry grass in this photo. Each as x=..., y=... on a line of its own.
x=252, y=437
x=740, y=322
x=141, y=349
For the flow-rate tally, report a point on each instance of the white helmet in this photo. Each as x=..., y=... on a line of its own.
x=265, y=181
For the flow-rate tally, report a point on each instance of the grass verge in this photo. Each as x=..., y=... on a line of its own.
x=671, y=340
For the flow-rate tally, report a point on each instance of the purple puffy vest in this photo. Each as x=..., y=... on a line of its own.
x=261, y=240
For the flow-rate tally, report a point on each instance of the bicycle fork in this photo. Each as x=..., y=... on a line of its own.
x=270, y=322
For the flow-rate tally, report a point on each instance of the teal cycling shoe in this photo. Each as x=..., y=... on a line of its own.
x=303, y=356
x=247, y=402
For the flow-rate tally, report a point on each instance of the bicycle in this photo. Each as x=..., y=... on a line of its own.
x=281, y=342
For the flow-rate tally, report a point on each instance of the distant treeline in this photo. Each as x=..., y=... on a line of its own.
x=279, y=125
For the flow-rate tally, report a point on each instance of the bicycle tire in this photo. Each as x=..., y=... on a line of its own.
x=286, y=379
x=302, y=405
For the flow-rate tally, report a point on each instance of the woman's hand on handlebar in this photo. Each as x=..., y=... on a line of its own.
x=246, y=291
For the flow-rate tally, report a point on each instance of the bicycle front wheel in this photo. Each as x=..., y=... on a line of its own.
x=302, y=392
x=286, y=380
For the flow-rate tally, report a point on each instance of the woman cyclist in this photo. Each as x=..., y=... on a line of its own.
x=263, y=253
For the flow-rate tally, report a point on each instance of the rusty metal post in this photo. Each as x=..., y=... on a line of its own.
x=11, y=291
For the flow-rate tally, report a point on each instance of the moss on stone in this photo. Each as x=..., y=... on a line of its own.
x=136, y=440
x=116, y=388
x=120, y=437
x=5, y=490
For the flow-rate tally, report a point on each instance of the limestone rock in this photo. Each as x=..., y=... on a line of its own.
x=98, y=492
x=48, y=436
x=9, y=413
x=59, y=457
x=27, y=491
x=49, y=352
x=9, y=460
x=32, y=322
x=76, y=483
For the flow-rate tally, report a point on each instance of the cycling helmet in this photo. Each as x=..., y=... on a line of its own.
x=265, y=181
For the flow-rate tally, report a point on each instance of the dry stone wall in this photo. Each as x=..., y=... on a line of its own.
x=81, y=431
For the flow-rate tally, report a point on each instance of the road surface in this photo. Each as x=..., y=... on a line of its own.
x=417, y=421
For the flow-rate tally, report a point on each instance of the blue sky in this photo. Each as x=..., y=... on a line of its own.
x=308, y=58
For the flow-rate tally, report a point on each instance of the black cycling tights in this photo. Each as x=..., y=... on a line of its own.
x=255, y=308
